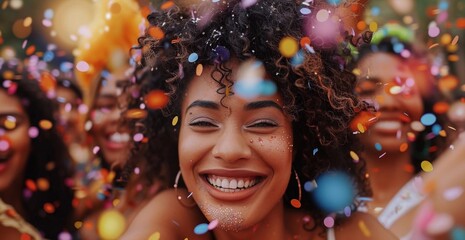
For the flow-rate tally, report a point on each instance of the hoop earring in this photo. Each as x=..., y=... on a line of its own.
x=297, y=202
x=179, y=197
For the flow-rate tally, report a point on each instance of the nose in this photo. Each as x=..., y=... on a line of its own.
x=232, y=145
x=387, y=100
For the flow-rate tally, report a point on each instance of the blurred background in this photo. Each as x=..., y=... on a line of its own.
x=51, y=29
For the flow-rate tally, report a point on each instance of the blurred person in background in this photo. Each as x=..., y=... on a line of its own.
x=35, y=170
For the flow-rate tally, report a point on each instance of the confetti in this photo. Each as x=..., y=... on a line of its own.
x=156, y=33
x=335, y=191
x=212, y=225
x=378, y=146
x=193, y=57
x=33, y=132
x=310, y=185
x=201, y=229
x=199, y=70
x=288, y=47
x=403, y=147
x=154, y=236
x=428, y=119
x=322, y=15
x=156, y=99
x=111, y=224
x=49, y=208
x=295, y=203
x=328, y=222
x=382, y=155
x=175, y=121
x=82, y=66
x=363, y=227
x=354, y=156
x=426, y=166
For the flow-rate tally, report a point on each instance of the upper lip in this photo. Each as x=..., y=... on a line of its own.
x=394, y=117
x=232, y=173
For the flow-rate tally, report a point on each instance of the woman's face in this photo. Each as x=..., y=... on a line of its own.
x=109, y=135
x=15, y=144
x=389, y=84
x=236, y=160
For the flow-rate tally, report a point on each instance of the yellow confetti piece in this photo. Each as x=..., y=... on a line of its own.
x=354, y=156
x=288, y=47
x=175, y=121
x=363, y=227
x=360, y=127
x=373, y=26
x=199, y=70
x=78, y=224
x=357, y=71
x=426, y=166
x=111, y=224
x=154, y=236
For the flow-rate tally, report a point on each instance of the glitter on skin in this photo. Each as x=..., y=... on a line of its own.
x=228, y=219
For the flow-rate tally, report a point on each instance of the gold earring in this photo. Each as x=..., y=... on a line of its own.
x=297, y=202
x=179, y=197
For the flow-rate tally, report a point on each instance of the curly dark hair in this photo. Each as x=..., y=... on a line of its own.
x=48, y=158
x=427, y=145
x=318, y=94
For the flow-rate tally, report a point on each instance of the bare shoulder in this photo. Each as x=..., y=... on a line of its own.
x=362, y=226
x=165, y=216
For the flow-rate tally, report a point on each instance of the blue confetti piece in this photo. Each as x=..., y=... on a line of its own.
x=48, y=14
x=436, y=129
x=305, y=11
x=48, y=56
x=315, y=151
x=375, y=11
x=193, y=57
x=335, y=191
x=428, y=119
x=458, y=233
x=378, y=146
x=267, y=88
x=334, y=2
x=298, y=58
x=201, y=229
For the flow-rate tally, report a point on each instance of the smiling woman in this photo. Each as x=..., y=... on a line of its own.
x=253, y=128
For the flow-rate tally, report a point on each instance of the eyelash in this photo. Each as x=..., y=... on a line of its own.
x=202, y=123
x=263, y=124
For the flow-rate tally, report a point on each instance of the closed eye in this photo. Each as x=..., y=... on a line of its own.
x=263, y=124
x=202, y=123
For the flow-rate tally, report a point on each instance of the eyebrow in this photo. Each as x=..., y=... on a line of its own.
x=262, y=104
x=248, y=107
x=204, y=104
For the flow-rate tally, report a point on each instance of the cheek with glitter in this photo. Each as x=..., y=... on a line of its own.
x=229, y=219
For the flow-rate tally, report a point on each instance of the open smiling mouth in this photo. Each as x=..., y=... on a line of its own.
x=229, y=184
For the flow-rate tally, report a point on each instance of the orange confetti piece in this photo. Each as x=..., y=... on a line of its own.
x=43, y=184
x=199, y=70
x=47, y=82
x=403, y=147
x=296, y=203
x=156, y=33
x=49, y=208
x=304, y=41
x=136, y=114
x=31, y=185
x=441, y=107
x=45, y=124
x=25, y=236
x=30, y=50
x=156, y=99
x=409, y=168
x=167, y=5
x=361, y=25
x=460, y=22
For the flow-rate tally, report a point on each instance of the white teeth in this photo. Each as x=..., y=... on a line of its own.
x=119, y=137
x=230, y=184
x=388, y=125
x=240, y=183
x=225, y=183
x=233, y=184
